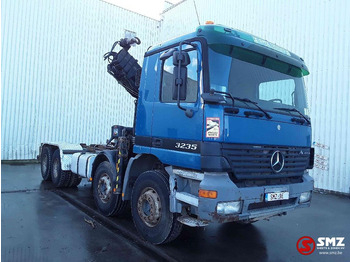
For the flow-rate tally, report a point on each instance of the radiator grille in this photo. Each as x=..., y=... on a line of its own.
x=248, y=161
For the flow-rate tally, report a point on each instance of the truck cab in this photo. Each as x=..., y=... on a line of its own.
x=246, y=143
x=221, y=134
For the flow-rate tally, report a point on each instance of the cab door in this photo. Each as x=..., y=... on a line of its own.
x=176, y=138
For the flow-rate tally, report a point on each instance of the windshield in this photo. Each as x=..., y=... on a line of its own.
x=247, y=74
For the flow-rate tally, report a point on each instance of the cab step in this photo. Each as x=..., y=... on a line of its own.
x=192, y=222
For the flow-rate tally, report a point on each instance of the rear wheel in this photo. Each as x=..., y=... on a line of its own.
x=108, y=204
x=74, y=180
x=150, y=208
x=60, y=178
x=46, y=162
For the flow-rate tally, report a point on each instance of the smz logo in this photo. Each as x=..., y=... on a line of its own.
x=306, y=245
x=330, y=241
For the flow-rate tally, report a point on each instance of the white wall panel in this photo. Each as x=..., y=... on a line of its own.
x=55, y=86
x=318, y=31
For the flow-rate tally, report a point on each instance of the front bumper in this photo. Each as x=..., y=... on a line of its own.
x=254, y=206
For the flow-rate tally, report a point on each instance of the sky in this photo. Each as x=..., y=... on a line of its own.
x=150, y=8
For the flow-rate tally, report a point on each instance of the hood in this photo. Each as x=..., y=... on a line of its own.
x=239, y=129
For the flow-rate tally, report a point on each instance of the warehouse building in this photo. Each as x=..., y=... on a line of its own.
x=55, y=86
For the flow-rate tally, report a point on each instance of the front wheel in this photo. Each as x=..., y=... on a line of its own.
x=108, y=204
x=150, y=208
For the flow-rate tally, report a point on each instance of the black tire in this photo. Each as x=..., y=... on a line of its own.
x=107, y=203
x=59, y=177
x=68, y=178
x=74, y=180
x=46, y=163
x=151, y=190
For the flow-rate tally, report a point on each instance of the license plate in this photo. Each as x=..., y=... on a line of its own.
x=276, y=196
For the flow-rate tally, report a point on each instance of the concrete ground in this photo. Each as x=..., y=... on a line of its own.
x=40, y=223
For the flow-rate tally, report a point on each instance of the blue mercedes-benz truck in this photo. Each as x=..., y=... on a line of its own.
x=221, y=134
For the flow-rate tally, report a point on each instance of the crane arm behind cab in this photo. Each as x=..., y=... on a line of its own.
x=124, y=67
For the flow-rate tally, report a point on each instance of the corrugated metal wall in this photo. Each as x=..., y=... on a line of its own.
x=318, y=31
x=55, y=86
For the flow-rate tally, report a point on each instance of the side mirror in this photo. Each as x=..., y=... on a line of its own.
x=181, y=60
x=181, y=57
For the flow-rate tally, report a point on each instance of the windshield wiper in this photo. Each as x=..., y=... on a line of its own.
x=245, y=100
x=294, y=110
x=212, y=91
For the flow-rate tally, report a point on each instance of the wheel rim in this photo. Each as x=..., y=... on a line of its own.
x=149, y=207
x=104, y=188
x=44, y=163
x=55, y=167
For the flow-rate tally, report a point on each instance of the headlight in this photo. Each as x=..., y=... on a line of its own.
x=232, y=207
x=305, y=197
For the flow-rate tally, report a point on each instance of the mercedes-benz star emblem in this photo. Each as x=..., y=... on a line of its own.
x=277, y=161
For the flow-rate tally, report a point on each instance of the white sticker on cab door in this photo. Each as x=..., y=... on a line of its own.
x=212, y=127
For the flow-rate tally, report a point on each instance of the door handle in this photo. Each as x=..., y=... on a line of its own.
x=156, y=142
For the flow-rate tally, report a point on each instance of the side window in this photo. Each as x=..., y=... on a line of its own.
x=168, y=78
x=281, y=91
